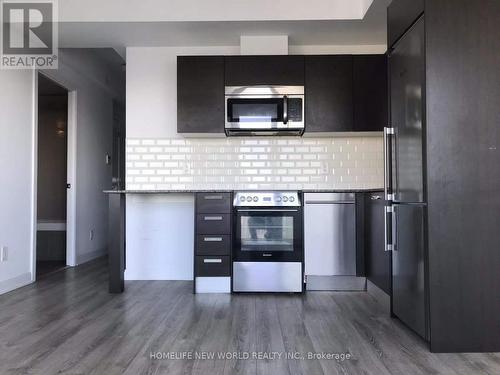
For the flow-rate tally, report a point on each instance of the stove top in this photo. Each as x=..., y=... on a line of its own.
x=266, y=199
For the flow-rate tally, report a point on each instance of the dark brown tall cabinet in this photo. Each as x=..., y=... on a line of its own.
x=369, y=81
x=462, y=173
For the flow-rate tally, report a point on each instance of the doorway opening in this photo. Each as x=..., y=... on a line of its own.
x=51, y=176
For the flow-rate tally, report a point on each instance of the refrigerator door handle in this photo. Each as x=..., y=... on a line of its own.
x=388, y=212
x=387, y=163
x=394, y=222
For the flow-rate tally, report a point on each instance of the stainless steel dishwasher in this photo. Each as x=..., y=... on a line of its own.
x=330, y=242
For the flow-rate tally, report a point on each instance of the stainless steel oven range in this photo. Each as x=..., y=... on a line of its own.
x=268, y=249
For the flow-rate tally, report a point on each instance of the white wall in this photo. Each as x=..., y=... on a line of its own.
x=264, y=45
x=16, y=171
x=152, y=112
x=152, y=88
x=95, y=89
x=160, y=237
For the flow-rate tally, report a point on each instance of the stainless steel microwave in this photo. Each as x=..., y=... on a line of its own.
x=264, y=110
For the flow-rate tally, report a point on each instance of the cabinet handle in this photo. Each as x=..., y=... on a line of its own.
x=212, y=239
x=212, y=260
x=375, y=197
x=213, y=197
x=212, y=218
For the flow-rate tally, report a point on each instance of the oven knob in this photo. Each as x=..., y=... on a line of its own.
x=249, y=198
x=285, y=199
x=278, y=199
x=242, y=199
x=291, y=199
x=255, y=199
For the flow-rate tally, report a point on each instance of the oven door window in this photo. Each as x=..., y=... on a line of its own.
x=268, y=236
x=267, y=233
x=262, y=110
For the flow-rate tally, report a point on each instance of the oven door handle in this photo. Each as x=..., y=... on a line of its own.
x=270, y=210
x=285, y=110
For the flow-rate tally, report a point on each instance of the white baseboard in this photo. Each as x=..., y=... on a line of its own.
x=16, y=282
x=379, y=295
x=87, y=257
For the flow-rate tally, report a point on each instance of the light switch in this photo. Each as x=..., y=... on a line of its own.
x=4, y=254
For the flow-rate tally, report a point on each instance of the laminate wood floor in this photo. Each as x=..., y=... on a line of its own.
x=67, y=323
x=44, y=268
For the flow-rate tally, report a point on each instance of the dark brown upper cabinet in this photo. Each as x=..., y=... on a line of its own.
x=329, y=95
x=200, y=94
x=370, y=92
x=287, y=70
x=344, y=93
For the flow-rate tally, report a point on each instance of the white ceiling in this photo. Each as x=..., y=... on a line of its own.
x=210, y=10
x=370, y=30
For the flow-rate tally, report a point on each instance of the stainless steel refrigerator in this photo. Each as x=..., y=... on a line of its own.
x=404, y=179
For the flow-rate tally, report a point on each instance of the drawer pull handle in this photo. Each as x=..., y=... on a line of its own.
x=212, y=260
x=212, y=239
x=213, y=197
x=375, y=197
x=212, y=218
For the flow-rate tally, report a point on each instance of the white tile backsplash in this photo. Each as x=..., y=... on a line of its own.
x=255, y=163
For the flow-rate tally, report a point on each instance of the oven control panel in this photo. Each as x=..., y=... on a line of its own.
x=267, y=199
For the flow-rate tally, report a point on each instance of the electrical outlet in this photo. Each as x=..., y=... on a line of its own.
x=91, y=234
x=4, y=254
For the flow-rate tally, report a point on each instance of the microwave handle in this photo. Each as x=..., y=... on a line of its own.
x=285, y=109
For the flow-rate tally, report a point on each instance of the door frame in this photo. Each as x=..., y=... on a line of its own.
x=71, y=179
x=71, y=173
